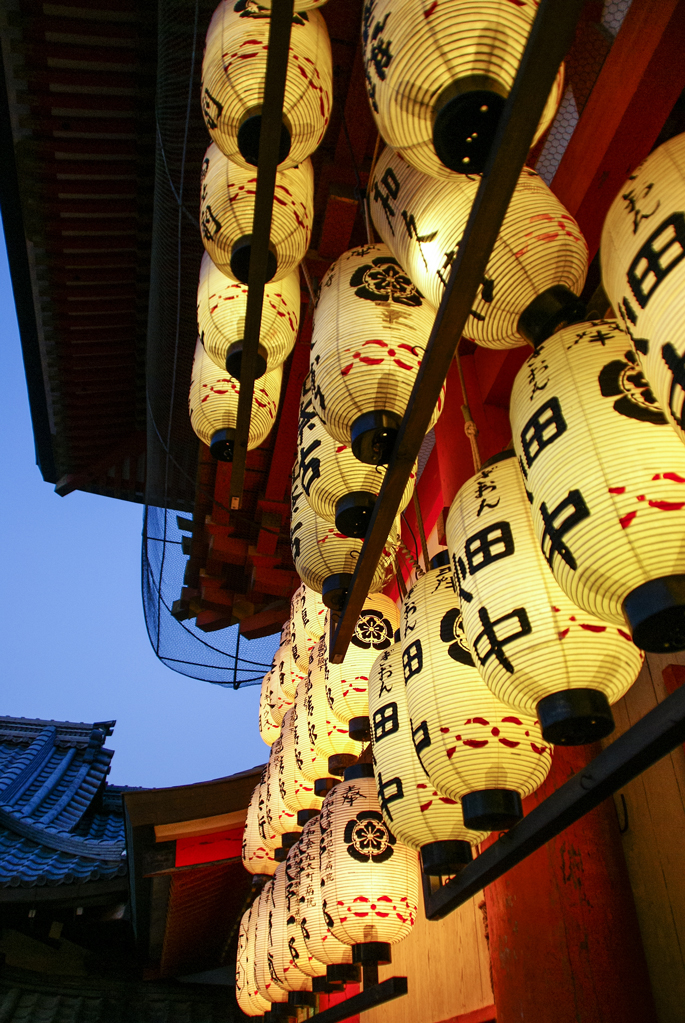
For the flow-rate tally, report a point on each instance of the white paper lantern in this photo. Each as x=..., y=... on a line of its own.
x=269, y=836
x=305, y=960
x=537, y=267
x=642, y=251
x=607, y=478
x=247, y=995
x=371, y=327
x=438, y=76
x=257, y=856
x=339, y=487
x=298, y=791
x=276, y=699
x=414, y=810
x=227, y=211
x=325, y=733
x=233, y=76
x=319, y=939
x=221, y=305
x=312, y=766
x=268, y=729
x=473, y=746
x=347, y=687
x=289, y=673
x=270, y=983
x=301, y=643
x=325, y=559
x=369, y=880
x=314, y=613
x=213, y=405
x=279, y=817
x=284, y=959
x=556, y=661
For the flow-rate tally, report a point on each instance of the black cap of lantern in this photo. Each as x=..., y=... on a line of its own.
x=303, y=816
x=280, y=855
x=339, y=762
x=368, y=953
x=240, y=259
x=353, y=513
x=360, y=728
x=373, y=436
x=574, y=717
x=492, y=809
x=322, y=786
x=334, y=590
x=655, y=612
x=397, y=636
x=443, y=858
x=465, y=119
x=301, y=998
x=440, y=560
x=356, y=771
x=501, y=456
x=249, y=133
x=289, y=838
x=342, y=973
x=553, y=309
x=322, y=986
x=221, y=445
x=234, y=360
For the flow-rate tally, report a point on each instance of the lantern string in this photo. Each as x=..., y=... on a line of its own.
x=412, y=560
x=309, y=283
x=371, y=238
x=470, y=428
x=422, y=531
x=400, y=579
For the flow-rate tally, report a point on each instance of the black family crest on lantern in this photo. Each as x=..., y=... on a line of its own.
x=452, y=632
x=384, y=280
x=623, y=379
x=373, y=631
x=368, y=838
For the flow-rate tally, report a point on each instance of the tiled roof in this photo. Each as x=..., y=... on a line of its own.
x=59, y=821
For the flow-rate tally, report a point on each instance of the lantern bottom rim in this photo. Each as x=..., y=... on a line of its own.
x=240, y=259
x=465, y=119
x=369, y=952
x=552, y=309
x=491, y=809
x=655, y=612
x=221, y=445
x=322, y=786
x=355, y=771
x=575, y=717
x=301, y=998
x=342, y=973
x=339, y=762
x=360, y=728
x=280, y=855
x=249, y=134
x=446, y=857
x=289, y=838
x=303, y=816
x=334, y=590
x=353, y=513
x=234, y=360
x=373, y=435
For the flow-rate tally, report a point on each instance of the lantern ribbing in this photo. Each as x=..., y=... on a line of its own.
x=286, y=957
x=326, y=735
x=319, y=939
x=312, y=765
x=268, y=729
x=301, y=643
x=298, y=791
x=247, y=995
x=269, y=983
x=257, y=856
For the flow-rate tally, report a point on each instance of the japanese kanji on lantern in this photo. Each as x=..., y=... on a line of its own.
x=293, y=965
x=227, y=210
x=412, y=807
x=325, y=734
x=535, y=272
x=298, y=791
x=221, y=305
x=339, y=487
x=302, y=643
x=369, y=880
x=257, y=856
x=280, y=819
x=536, y=650
x=275, y=697
x=325, y=559
x=270, y=984
x=213, y=405
x=233, y=76
x=606, y=476
x=319, y=939
x=268, y=728
x=472, y=746
x=642, y=253
x=247, y=995
x=289, y=673
x=347, y=685
x=438, y=76
x=371, y=327
x=314, y=767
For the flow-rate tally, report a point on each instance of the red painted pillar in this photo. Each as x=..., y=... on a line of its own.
x=565, y=944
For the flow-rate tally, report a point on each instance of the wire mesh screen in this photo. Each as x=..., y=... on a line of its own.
x=224, y=657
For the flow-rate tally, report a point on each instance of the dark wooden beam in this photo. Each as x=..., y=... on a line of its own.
x=378, y=994
x=549, y=40
x=280, y=26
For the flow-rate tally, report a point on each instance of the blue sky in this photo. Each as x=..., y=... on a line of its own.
x=73, y=643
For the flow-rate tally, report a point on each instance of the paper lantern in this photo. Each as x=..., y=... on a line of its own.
x=276, y=700
x=289, y=674
x=339, y=487
x=268, y=729
x=319, y=939
x=536, y=649
x=270, y=984
x=221, y=305
x=301, y=643
x=369, y=880
x=233, y=76
x=371, y=327
x=326, y=735
x=536, y=269
x=314, y=767
x=227, y=212
x=325, y=559
x=642, y=251
x=271, y=838
x=298, y=791
x=305, y=960
x=607, y=479
x=281, y=820
x=472, y=746
x=286, y=949
x=247, y=995
x=412, y=807
x=314, y=613
x=257, y=856
x=438, y=76
x=347, y=687
x=213, y=406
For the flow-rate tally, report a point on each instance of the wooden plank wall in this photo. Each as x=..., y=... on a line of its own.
x=653, y=808
x=447, y=965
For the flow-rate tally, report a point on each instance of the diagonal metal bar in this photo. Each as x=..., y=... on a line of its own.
x=653, y=737
x=269, y=138
x=391, y=988
x=550, y=38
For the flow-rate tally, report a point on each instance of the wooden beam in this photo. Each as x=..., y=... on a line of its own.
x=200, y=826
x=549, y=39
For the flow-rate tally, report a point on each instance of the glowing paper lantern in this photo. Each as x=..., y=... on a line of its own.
x=269, y=984
x=213, y=406
x=643, y=246
x=247, y=995
x=472, y=746
x=271, y=839
x=369, y=880
x=325, y=733
x=438, y=76
x=607, y=478
x=370, y=330
x=347, y=688
x=319, y=939
x=233, y=76
x=227, y=211
x=536, y=269
x=305, y=960
x=325, y=559
x=221, y=305
x=298, y=791
x=257, y=856
x=284, y=958
x=314, y=613
x=414, y=810
x=301, y=643
x=280, y=819
x=268, y=729
x=536, y=649
x=339, y=487
x=289, y=673
x=311, y=764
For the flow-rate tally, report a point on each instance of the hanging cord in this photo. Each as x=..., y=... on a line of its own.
x=400, y=578
x=470, y=428
x=422, y=531
x=309, y=282
x=370, y=236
